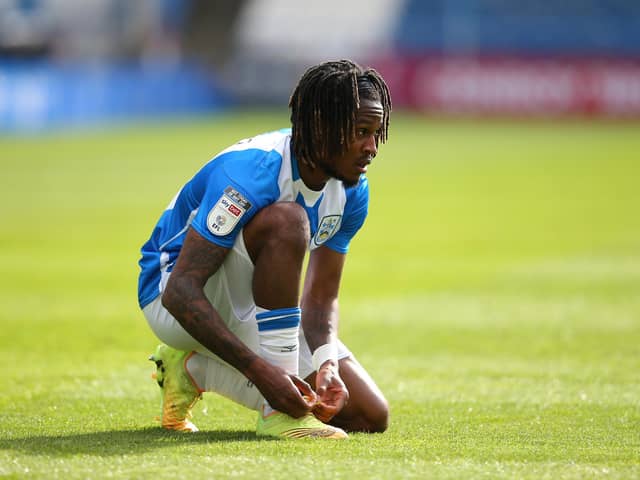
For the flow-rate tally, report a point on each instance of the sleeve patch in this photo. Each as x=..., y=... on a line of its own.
x=329, y=225
x=227, y=212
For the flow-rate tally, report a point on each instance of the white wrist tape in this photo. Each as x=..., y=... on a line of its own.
x=328, y=351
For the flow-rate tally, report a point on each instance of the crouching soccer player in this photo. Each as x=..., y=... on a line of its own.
x=220, y=275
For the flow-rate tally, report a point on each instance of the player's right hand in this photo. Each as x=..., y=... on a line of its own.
x=285, y=393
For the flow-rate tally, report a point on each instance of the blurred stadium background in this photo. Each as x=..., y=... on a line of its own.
x=494, y=294
x=85, y=62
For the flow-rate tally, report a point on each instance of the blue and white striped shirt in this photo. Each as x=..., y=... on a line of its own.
x=236, y=184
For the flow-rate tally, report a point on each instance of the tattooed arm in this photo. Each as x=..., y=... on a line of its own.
x=185, y=299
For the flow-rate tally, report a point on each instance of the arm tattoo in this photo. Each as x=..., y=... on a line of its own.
x=184, y=297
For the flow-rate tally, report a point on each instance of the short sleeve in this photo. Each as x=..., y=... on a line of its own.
x=238, y=185
x=354, y=215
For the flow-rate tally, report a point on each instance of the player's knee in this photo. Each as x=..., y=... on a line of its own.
x=377, y=418
x=289, y=225
x=280, y=227
x=370, y=418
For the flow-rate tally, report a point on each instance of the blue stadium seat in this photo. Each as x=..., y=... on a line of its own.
x=536, y=27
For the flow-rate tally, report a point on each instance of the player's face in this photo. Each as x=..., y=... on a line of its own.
x=361, y=149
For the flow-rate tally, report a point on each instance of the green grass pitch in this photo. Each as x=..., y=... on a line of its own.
x=494, y=293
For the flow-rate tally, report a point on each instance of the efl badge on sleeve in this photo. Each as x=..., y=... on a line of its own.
x=328, y=226
x=227, y=212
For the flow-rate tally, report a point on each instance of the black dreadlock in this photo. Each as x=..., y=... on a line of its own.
x=324, y=105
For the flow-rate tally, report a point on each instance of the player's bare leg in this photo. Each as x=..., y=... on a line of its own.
x=277, y=239
x=367, y=409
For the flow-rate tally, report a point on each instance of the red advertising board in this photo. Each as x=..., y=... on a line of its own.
x=515, y=86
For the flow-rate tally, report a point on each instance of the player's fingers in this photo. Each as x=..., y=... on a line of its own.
x=324, y=412
x=322, y=386
x=335, y=398
x=324, y=379
x=330, y=408
x=305, y=390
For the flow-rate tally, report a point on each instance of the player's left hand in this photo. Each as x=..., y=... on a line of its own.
x=331, y=391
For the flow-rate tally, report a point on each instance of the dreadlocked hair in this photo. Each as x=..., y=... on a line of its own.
x=324, y=105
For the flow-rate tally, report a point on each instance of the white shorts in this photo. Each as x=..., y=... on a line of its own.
x=229, y=291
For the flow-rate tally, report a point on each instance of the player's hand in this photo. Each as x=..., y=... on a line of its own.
x=305, y=390
x=332, y=392
x=284, y=392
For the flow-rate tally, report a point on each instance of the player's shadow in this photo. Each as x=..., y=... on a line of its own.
x=120, y=442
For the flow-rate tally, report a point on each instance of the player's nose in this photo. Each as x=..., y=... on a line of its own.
x=371, y=146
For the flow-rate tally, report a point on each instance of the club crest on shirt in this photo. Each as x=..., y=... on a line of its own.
x=328, y=226
x=227, y=212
